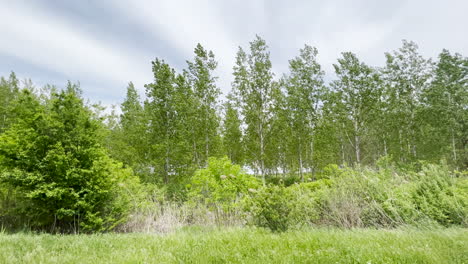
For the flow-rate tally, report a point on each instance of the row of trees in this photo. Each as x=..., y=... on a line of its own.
x=295, y=124
x=410, y=109
x=66, y=167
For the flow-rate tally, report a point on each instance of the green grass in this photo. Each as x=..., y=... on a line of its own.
x=241, y=245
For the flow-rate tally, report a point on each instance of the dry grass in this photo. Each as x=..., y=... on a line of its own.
x=168, y=216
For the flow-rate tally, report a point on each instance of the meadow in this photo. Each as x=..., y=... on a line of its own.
x=242, y=245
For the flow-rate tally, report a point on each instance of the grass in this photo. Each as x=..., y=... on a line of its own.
x=241, y=245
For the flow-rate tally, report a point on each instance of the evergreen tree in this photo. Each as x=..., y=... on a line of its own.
x=128, y=137
x=52, y=156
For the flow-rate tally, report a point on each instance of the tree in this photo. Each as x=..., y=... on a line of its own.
x=129, y=143
x=406, y=75
x=170, y=122
x=160, y=108
x=357, y=90
x=253, y=86
x=304, y=89
x=232, y=133
x=52, y=155
x=446, y=100
x=9, y=89
x=200, y=75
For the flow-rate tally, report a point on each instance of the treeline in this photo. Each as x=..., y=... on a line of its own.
x=65, y=166
x=296, y=124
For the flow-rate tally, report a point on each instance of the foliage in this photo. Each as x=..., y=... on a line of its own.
x=51, y=157
x=255, y=93
x=279, y=208
x=222, y=184
x=298, y=132
x=271, y=207
x=388, y=197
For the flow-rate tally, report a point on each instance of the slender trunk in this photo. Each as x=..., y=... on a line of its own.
x=207, y=139
x=357, y=143
x=166, y=166
x=342, y=153
x=385, y=147
x=300, y=164
x=166, y=159
x=401, y=145
x=312, y=158
x=207, y=147
x=262, y=153
x=412, y=138
x=454, y=150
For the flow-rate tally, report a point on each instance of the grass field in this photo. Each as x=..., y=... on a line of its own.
x=241, y=245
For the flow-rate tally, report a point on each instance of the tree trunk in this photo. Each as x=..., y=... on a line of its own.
x=300, y=164
x=262, y=153
x=357, y=143
x=454, y=150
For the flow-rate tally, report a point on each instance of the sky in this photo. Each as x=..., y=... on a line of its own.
x=108, y=43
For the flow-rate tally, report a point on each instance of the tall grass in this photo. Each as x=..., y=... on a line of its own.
x=242, y=245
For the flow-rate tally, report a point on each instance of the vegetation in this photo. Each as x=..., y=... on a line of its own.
x=196, y=245
x=372, y=148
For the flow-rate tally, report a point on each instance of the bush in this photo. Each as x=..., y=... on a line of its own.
x=387, y=197
x=271, y=208
x=62, y=178
x=437, y=196
x=280, y=208
x=221, y=185
x=306, y=201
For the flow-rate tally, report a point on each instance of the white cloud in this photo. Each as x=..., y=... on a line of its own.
x=32, y=35
x=186, y=23
x=368, y=28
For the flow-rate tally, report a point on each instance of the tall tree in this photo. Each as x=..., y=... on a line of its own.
x=160, y=109
x=357, y=90
x=129, y=139
x=304, y=88
x=9, y=89
x=446, y=101
x=406, y=75
x=232, y=133
x=253, y=86
x=203, y=81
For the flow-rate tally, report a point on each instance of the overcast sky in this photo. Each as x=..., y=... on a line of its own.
x=105, y=44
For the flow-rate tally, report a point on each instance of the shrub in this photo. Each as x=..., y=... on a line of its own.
x=437, y=197
x=62, y=177
x=271, y=208
x=280, y=208
x=221, y=185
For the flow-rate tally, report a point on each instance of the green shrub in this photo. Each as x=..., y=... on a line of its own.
x=306, y=200
x=271, y=207
x=221, y=184
x=63, y=179
x=437, y=197
x=280, y=208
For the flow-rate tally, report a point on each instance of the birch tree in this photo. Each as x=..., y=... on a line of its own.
x=253, y=87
